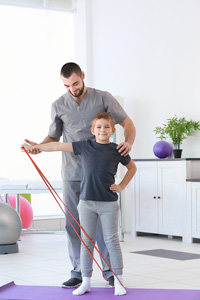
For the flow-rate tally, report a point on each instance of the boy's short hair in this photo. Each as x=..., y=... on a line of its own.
x=104, y=115
x=69, y=68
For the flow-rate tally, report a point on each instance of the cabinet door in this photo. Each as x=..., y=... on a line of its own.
x=171, y=197
x=146, y=197
x=196, y=210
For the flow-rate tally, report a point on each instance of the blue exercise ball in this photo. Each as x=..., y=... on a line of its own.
x=162, y=149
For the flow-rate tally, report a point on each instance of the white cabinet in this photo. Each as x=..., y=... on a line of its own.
x=160, y=196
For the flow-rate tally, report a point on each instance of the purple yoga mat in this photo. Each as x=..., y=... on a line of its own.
x=11, y=291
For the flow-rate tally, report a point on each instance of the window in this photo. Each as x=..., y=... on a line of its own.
x=35, y=43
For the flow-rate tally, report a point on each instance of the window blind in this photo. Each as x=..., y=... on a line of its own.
x=64, y=5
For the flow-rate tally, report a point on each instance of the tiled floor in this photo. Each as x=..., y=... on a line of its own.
x=43, y=260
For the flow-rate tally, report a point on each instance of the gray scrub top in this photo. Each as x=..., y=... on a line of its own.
x=73, y=122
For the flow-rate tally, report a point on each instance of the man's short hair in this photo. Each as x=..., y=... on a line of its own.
x=69, y=68
x=104, y=115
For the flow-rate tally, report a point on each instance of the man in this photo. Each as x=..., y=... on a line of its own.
x=71, y=116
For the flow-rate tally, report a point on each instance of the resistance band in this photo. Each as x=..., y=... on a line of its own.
x=54, y=194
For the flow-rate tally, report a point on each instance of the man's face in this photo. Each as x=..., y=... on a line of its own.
x=74, y=85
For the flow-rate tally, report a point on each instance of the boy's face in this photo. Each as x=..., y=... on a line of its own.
x=102, y=130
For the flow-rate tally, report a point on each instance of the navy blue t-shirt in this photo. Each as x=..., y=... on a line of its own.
x=99, y=166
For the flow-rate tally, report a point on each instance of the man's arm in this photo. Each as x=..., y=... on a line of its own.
x=129, y=134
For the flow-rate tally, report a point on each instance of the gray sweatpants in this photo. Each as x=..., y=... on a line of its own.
x=107, y=212
x=71, y=193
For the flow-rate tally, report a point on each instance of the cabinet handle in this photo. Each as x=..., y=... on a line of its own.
x=159, y=197
x=154, y=197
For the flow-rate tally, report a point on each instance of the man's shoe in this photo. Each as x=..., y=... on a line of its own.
x=72, y=283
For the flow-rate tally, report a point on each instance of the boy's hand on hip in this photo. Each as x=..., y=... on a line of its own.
x=116, y=188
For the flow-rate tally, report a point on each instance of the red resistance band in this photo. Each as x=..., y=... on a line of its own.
x=54, y=194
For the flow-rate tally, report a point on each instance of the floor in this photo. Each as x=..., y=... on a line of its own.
x=43, y=260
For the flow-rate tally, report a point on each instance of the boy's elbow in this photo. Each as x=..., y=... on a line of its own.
x=134, y=170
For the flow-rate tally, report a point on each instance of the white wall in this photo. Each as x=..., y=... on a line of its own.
x=148, y=52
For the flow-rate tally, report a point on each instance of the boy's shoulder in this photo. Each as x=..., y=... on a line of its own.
x=114, y=146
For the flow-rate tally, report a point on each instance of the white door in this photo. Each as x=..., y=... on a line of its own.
x=171, y=182
x=196, y=210
x=146, y=197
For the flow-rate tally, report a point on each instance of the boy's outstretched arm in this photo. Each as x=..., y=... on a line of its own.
x=117, y=188
x=49, y=147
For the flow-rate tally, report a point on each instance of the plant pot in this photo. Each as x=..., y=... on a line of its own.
x=177, y=153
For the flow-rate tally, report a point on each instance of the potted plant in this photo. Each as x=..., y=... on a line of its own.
x=177, y=129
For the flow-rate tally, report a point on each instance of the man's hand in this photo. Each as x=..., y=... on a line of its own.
x=28, y=147
x=124, y=148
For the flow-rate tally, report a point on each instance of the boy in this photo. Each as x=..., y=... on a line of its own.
x=98, y=198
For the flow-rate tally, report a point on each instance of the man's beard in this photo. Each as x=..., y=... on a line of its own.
x=78, y=93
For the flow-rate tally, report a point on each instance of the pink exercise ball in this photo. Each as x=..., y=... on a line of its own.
x=26, y=211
